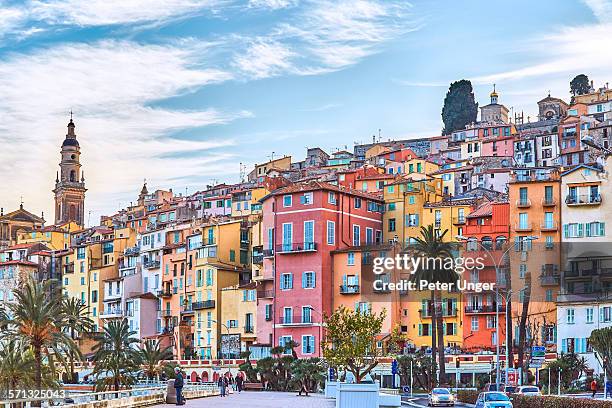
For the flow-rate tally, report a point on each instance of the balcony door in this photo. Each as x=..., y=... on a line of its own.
x=287, y=236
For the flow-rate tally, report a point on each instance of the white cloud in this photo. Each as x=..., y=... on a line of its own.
x=264, y=58
x=110, y=85
x=19, y=19
x=272, y=4
x=602, y=9
x=326, y=36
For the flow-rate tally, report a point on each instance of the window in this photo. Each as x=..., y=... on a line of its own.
x=287, y=236
x=268, y=312
x=331, y=197
x=232, y=255
x=570, y=316
x=391, y=224
x=288, y=315
x=369, y=236
x=595, y=229
x=350, y=258
x=283, y=341
x=308, y=280
x=81, y=253
x=306, y=199
x=357, y=202
x=286, y=281
x=589, y=315
x=331, y=233
x=308, y=234
x=308, y=344
x=287, y=201
x=356, y=235
x=474, y=323
x=306, y=314
x=573, y=230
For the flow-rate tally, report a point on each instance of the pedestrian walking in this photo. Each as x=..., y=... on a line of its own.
x=239, y=382
x=594, y=387
x=222, y=384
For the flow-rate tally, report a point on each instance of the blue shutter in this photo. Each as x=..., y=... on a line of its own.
x=416, y=220
x=588, y=229
x=290, y=281
x=565, y=231
x=580, y=229
x=304, y=279
x=602, y=228
x=282, y=285
x=314, y=280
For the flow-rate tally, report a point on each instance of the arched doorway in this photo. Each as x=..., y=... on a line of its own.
x=194, y=376
x=215, y=376
x=204, y=376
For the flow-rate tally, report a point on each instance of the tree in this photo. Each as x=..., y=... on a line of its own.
x=116, y=357
x=459, y=109
x=37, y=319
x=350, y=340
x=601, y=341
x=431, y=246
x=307, y=374
x=580, y=85
x=77, y=323
x=422, y=370
x=395, y=341
x=16, y=367
x=152, y=357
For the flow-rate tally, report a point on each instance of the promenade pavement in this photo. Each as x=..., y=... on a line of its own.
x=261, y=399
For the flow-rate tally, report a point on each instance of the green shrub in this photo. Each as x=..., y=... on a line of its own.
x=558, y=402
x=467, y=396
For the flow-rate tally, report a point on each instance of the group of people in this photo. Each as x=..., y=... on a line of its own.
x=228, y=380
x=225, y=381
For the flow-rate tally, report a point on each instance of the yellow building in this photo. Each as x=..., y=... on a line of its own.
x=222, y=262
x=418, y=168
x=238, y=315
x=447, y=215
x=56, y=237
x=404, y=201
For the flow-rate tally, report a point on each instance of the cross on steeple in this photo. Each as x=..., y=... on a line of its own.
x=71, y=115
x=21, y=202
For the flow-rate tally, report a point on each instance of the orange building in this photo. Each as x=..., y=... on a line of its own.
x=535, y=232
x=486, y=227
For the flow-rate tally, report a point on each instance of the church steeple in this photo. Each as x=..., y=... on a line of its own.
x=70, y=181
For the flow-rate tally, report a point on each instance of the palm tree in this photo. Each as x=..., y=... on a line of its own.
x=16, y=367
x=77, y=323
x=37, y=320
x=152, y=357
x=431, y=246
x=116, y=357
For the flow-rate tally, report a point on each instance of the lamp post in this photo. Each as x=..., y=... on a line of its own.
x=228, y=333
x=496, y=264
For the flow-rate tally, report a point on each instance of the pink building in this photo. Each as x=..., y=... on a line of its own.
x=303, y=223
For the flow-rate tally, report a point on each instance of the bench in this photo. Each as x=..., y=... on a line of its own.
x=253, y=386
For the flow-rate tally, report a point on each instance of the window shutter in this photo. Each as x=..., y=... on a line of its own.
x=244, y=295
x=580, y=229
x=565, y=231
x=601, y=314
x=344, y=281
x=314, y=279
x=588, y=229
x=416, y=220
x=304, y=280
x=282, y=284
x=290, y=281
x=420, y=329
x=602, y=229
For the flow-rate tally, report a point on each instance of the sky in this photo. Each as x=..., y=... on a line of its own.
x=182, y=92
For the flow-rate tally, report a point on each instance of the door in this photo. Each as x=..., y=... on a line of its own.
x=287, y=236
x=309, y=235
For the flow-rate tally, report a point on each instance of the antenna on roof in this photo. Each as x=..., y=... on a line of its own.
x=242, y=171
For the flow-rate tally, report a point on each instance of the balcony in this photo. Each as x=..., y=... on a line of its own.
x=209, y=242
x=152, y=264
x=206, y=304
x=472, y=309
x=258, y=259
x=583, y=199
x=446, y=312
x=549, y=279
x=295, y=320
x=523, y=203
x=349, y=289
x=265, y=294
x=69, y=268
x=549, y=226
x=268, y=253
x=524, y=227
x=116, y=313
x=187, y=309
x=167, y=292
x=166, y=313
x=549, y=202
x=581, y=274
x=458, y=220
x=132, y=251
x=296, y=247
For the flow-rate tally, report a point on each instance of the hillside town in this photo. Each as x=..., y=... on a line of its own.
x=257, y=264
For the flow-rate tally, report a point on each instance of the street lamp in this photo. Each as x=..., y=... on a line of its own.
x=226, y=328
x=497, y=295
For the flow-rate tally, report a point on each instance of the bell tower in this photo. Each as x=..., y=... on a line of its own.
x=70, y=182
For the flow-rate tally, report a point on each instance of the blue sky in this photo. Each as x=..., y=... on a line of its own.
x=181, y=91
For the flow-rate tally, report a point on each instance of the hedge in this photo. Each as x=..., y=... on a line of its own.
x=519, y=401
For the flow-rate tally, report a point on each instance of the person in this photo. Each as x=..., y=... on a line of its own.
x=594, y=387
x=178, y=386
x=221, y=384
x=239, y=382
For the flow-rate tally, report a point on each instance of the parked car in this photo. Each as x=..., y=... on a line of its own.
x=528, y=390
x=493, y=399
x=510, y=389
x=441, y=397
